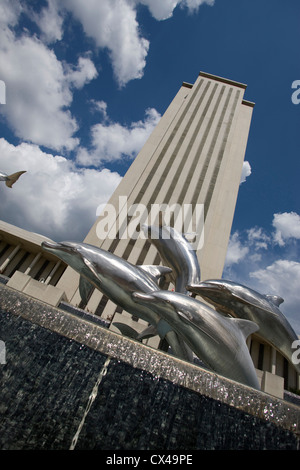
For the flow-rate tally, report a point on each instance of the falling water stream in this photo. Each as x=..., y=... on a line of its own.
x=91, y=400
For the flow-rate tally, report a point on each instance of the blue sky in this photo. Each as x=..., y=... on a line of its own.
x=87, y=81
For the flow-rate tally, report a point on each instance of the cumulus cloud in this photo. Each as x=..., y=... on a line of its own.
x=111, y=141
x=39, y=87
x=246, y=171
x=257, y=238
x=54, y=197
x=38, y=91
x=50, y=21
x=9, y=12
x=162, y=10
x=282, y=278
x=84, y=72
x=193, y=5
x=253, y=260
x=158, y=9
x=112, y=24
x=236, y=251
x=287, y=226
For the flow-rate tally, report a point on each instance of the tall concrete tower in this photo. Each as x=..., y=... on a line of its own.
x=193, y=157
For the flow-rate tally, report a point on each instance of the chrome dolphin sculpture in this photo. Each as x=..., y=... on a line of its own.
x=176, y=252
x=118, y=279
x=10, y=179
x=240, y=301
x=219, y=341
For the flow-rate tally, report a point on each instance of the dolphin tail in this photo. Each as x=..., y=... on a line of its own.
x=126, y=330
x=11, y=179
x=247, y=327
x=132, y=333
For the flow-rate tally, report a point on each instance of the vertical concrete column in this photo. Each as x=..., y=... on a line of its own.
x=57, y=265
x=9, y=258
x=33, y=263
x=273, y=361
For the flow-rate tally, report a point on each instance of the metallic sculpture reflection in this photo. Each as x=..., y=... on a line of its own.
x=118, y=279
x=10, y=179
x=242, y=302
x=190, y=327
x=176, y=252
x=217, y=340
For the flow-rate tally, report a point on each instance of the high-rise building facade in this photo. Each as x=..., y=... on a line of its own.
x=193, y=158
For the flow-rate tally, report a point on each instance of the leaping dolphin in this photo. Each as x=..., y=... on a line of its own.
x=217, y=340
x=176, y=252
x=118, y=279
x=240, y=301
x=10, y=179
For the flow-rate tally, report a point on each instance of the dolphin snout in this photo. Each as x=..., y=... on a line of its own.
x=50, y=245
x=139, y=296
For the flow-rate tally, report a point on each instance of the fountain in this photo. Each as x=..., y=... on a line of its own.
x=70, y=383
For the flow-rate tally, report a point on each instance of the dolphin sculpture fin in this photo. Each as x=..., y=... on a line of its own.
x=126, y=330
x=247, y=327
x=85, y=289
x=132, y=333
x=11, y=179
x=275, y=299
x=148, y=332
x=156, y=272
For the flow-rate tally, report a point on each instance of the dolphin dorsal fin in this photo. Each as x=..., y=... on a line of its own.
x=275, y=299
x=247, y=327
x=148, y=332
x=126, y=330
x=85, y=288
x=156, y=271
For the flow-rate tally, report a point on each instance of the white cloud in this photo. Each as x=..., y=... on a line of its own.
x=50, y=22
x=258, y=238
x=160, y=10
x=112, y=24
x=193, y=5
x=282, y=278
x=9, y=12
x=37, y=93
x=54, y=197
x=83, y=73
x=236, y=251
x=253, y=261
x=111, y=141
x=246, y=171
x=101, y=107
x=39, y=90
x=287, y=225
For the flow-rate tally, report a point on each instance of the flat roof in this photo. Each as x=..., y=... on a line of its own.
x=28, y=240
x=223, y=80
